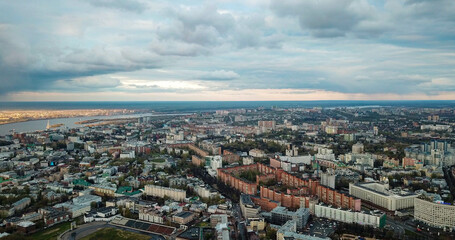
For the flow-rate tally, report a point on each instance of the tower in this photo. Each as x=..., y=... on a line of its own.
x=48, y=126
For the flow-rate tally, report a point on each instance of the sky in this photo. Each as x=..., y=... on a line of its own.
x=227, y=50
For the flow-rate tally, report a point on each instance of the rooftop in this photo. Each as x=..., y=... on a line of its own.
x=81, y=182
x=183, y=214
x=25, y=224
x=380, y=189
x=285, y=211
x=246, y=199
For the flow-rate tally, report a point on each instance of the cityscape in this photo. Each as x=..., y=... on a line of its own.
x=227, y=120
x=247, y=173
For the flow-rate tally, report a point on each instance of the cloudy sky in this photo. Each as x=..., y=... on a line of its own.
x=226, y=50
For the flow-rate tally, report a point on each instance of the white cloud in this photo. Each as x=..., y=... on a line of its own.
x=219, y=75
x=347, y=46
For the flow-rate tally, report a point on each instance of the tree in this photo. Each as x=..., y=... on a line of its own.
x=270, y=233
x=128, y=213
x=389, y=235
x=27, y=189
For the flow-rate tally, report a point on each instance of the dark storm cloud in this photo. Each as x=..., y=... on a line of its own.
x=349, y=46
x=325, y=18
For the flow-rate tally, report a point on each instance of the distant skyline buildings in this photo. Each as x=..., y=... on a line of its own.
x=218, y=50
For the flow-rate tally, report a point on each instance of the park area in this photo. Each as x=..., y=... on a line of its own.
x=45, y=234
x=112, y=233
x=52, y=232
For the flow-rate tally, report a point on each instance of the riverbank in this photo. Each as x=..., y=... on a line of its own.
x=17, y=116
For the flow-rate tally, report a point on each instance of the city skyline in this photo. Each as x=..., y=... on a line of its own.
x=113, y=50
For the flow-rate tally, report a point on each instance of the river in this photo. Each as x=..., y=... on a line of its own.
x=37, y=125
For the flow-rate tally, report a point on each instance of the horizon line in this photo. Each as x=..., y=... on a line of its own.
x=332, y=100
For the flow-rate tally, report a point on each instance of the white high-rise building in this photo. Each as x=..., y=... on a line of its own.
x=435, y=214
x=328, y=180
x=216, y=162
x=375, y=218
x=380, y=195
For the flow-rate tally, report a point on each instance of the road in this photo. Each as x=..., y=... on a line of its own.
x=89, y=228
x=400, y=227
x=239, y=228
x=241, y=231
x=84, y=230
x=448, y=176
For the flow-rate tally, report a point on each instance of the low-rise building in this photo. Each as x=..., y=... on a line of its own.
x=205, y=192
x=104, y=190
x=101, y=214
x=52, y=216
x=21, y=204
x=256, y=224
x=247, y=160
x=215, y=219
x=183, y=217
x=289, y=231
x=26, y=227
x=73, y=209
x=249, y=209
x=31, y=216
x=281, y=215
x=151, y=215
x=256, y=153
x=86, y=200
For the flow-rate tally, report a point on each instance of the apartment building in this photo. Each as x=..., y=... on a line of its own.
x=159, y=191
x=249, y=210
x=380, y=195
x=435, y=214
x=280, y=215
x=374, y=219
x=151, y=215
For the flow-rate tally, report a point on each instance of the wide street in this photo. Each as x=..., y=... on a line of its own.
x=401, y=226
x=84, y=230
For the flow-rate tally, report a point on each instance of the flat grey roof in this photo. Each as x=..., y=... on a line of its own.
x=183, y=214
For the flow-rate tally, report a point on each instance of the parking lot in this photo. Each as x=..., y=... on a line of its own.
x=321, y=227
